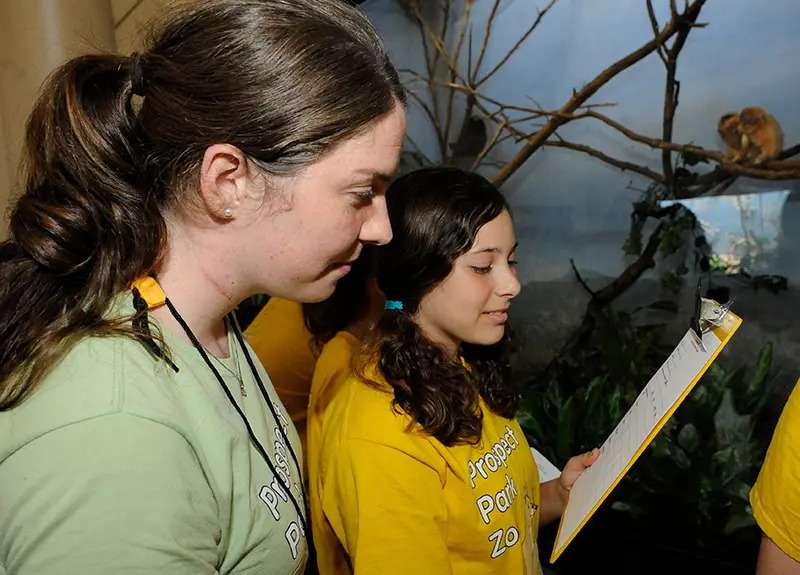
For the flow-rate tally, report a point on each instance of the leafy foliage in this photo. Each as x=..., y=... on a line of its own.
x=702, y=464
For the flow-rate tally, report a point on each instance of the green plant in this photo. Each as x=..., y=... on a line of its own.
x=702, y=464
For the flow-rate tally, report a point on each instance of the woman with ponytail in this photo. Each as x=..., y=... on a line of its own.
x=423, y=467
x=245, y=151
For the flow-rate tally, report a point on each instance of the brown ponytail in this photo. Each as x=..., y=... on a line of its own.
x=82, y=230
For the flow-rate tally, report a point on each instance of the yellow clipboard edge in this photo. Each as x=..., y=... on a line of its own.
x=718, y=331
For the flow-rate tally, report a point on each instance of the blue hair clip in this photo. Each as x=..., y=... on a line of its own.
x=392, y=304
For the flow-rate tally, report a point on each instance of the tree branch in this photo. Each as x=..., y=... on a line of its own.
x=419, y=151
x=488, y=147
x=720, y=179
x=654, y=25
x=628, y=277
x=431, y=116
x=580, y=278
x=536, y=141
x=452, y=76
x=621, y=164
x=473, y=74
x=774, y=170
x=672, y=90
x=516, y=46
x=412, y=7
x=442, y=34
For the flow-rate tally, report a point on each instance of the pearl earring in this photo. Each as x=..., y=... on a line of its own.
x=228, y=213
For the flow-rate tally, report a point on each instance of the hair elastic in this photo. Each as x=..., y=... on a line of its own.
x=392, y=304
x=137, y=76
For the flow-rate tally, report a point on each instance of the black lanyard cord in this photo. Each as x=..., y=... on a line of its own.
x=253, y=438
x=264, y=393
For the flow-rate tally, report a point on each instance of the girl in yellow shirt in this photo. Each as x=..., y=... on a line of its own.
x=775, y=497
x=420, y=466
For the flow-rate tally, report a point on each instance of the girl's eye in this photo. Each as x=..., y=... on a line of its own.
x=482, y=269
x=513, y=263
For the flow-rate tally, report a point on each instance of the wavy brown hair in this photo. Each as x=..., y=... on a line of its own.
x=435, y=215
x=283, y=80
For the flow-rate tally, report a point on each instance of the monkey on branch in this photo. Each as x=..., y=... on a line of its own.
x=752, y=136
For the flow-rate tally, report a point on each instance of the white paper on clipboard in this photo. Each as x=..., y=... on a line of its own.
x=547, y=471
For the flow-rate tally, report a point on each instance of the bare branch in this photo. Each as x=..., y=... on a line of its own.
x=621, y=164
x=580, y=279
x=430, y=66
x=788, y=153
x=654, y=24
x=769, y=171
x=636, y=137
x=431, y=116
x=442, y=33
x=715, y=183
x=473, y=74
x=628, y=277
x=417, y=147
x=672, y=90
x=452, y=75
x=721, y=188
x=536, y=142
x=516, y=46
x=488, y=147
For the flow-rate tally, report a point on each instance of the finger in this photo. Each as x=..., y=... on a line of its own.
x=580, y=462
x=585, y=460
x=592, y=456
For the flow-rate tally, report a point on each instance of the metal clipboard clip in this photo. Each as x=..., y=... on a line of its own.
x=707, y=314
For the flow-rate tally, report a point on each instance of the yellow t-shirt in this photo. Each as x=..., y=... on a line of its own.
x=776, y=495
x=332, y=370
x=386, y=499
x=285, y=347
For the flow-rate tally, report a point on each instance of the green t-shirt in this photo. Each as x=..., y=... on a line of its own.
x=118, y=465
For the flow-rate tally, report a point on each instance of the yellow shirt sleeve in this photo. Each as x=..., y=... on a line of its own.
x=383, y=503
x=775, y=498
x=279, y=338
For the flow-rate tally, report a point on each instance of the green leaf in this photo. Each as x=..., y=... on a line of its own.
x=688, y=438
x=565, y=434
x=689, y=158
x=614, y=405
x=680, y=458
x=731, y=427
x=684, y=175
x=660, y=447
x=671, y=283
x=763, y=366
x=594, y=393
x=738, y=521
x=527, y=420
x=633, y=243
x=741, y=490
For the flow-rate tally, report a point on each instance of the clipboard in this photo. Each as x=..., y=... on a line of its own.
x=710, y=329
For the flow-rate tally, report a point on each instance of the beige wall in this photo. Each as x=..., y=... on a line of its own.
x=35, y=37
x=130, y=17
x=5, y=179
x=38, y=35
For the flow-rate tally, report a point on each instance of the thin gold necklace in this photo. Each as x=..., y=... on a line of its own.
x=238, y=373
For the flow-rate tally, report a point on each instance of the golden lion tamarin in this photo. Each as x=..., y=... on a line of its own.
x=762, y=137
x=728, y=129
